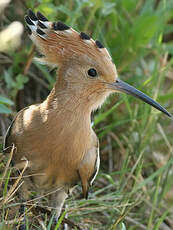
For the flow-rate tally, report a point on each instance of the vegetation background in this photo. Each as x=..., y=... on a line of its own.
x=134, y=188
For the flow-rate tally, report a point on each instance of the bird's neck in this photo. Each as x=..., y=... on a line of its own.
x=68, y=104
x=73, y=101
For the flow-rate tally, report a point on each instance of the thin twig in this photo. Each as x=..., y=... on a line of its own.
x=39, y=80
x=25, y=176
x=65, y=220
x=16, y=220
x=7, y=165
x=29, y=60
x=41, y=223
x=71, y=224
x=133, y=221
x=13, y=188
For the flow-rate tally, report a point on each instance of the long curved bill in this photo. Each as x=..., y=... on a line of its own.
x=126, y=88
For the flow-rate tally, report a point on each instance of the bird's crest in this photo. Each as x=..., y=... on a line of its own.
x=59, y=42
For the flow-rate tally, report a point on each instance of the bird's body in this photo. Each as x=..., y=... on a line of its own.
x=58, y=156
x=56, y=136
x=52, y=147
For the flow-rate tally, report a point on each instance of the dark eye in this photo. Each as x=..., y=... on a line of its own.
x=92, y=72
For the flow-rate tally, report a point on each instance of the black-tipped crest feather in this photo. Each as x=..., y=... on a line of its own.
x=99, y=44
x=32, y=15
x=60, y=26
x=28, y=30
x=42, y=25
x=41, y=17
x=84, y=36
x=40, y=32
x=28, y=21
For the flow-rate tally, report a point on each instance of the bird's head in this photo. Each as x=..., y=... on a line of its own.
x=83, y=64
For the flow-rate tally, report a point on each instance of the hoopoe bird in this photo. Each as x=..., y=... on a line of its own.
x=56, y=136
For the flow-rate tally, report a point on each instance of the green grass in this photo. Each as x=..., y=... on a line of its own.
x=135, y=184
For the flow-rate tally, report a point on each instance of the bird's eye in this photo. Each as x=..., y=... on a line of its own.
x=92, y=72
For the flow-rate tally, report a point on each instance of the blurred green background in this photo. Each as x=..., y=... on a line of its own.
x=134, y=188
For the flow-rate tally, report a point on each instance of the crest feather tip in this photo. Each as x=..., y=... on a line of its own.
x=28, y=30
x=60, y=26
x=29, y=21
x=32, y=15
x=99, y=44
x=41, y=17
x=42, y=25
x=40, y=32
x=84, y=36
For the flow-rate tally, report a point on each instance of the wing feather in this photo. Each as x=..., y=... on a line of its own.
x=96, y=168
x=89, y=168
x=8, y=133
x=5, y=147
